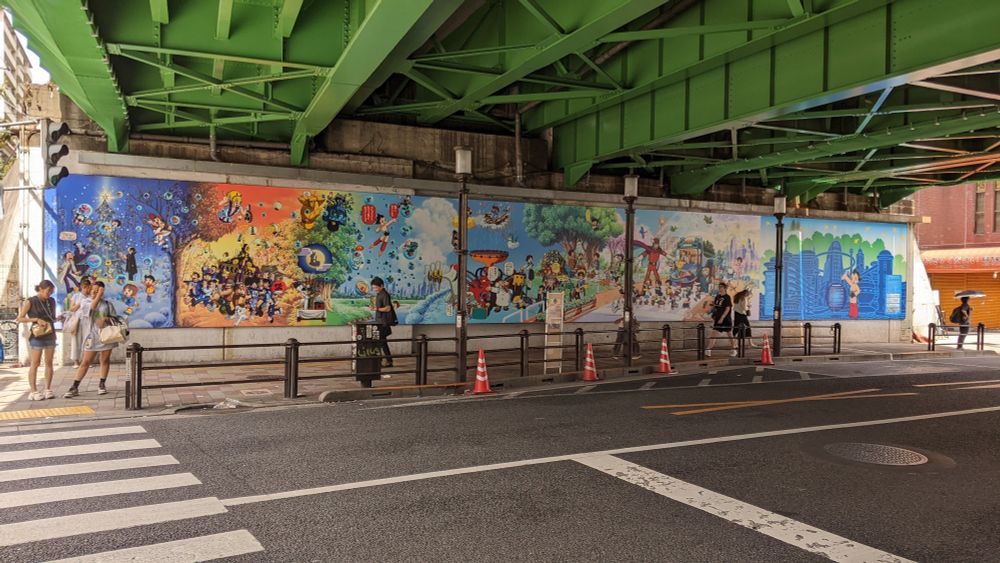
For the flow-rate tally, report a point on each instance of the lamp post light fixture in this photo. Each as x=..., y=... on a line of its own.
x=463, y=170
x=780, y=203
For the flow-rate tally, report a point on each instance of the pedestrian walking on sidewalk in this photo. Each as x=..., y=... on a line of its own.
x=741, y=316
x=40, y=312
x=96, y=316
x=962, y=316
x=385, y=318
x=79, y=301
x=722, y=319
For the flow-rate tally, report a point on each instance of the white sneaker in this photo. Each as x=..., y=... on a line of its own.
x=49, y=394
x=36, y=396
x=732, y=353
x=708, y=353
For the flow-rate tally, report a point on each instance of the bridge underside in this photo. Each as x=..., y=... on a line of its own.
x=870, y=96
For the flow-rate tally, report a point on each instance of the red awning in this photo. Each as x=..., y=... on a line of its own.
x=961, y=260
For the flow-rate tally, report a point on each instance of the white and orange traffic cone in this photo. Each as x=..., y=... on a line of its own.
x=665, y=366
x=765, y=353
x=482, y=386
x=589, y=367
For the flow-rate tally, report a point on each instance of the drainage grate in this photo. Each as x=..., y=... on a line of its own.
x=877, y=454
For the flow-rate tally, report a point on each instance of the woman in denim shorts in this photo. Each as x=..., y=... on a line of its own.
x=40, y=312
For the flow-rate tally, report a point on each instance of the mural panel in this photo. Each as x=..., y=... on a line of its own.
x=837, y=270
x=679, y=257
x=206, y=255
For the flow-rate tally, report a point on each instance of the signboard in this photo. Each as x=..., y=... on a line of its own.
x=554, y=314
x=894, y=298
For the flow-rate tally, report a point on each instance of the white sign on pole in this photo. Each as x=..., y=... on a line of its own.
x=554, y=313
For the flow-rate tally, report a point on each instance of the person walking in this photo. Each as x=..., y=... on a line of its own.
x=741, y=316
x=962, y=316
x=722, y=320
x=78, y=301
x=385, y=318
x=40, y=311
x=95, y=317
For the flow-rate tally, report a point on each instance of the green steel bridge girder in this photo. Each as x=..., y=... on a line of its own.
x=855, y=47
x=77, y=60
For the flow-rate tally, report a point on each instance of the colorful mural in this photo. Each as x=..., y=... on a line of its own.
x=206, y=255
x=181, y=254
x=837, y=270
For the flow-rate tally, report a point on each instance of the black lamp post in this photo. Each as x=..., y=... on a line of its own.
x=463, y=169
x=779, y=246
x=631, y=193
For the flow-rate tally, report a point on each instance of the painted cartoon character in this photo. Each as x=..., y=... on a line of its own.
x=161, y=230
x=652, y=254
x=312, y=209
x=335, y=213
x=382, y=226
x=232, y=208
x=854, y=284
x=129, y=292
x=150, y=282
x=519, y=298
x=410, y=249
x=81, y=213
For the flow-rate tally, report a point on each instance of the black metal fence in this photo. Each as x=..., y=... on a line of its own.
x=679, y=337
x=962, y=333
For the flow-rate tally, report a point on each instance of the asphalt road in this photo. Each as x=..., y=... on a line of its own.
x=745, y=464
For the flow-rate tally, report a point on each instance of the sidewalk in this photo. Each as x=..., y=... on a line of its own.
x=14, y=403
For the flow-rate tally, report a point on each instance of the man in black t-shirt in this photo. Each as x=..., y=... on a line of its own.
x=964, y=321
x=722, y=319
x=384, y=317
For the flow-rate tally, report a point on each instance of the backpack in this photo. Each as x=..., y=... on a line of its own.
x=957, y=315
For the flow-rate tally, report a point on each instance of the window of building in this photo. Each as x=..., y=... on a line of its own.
x=980, y=221
x=996, y=207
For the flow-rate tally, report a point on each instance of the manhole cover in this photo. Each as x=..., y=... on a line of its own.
x=876, y=453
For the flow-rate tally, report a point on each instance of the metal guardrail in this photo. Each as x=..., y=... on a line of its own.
x=677, y=336
x=962, y=331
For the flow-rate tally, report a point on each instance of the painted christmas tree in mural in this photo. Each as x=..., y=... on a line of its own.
x=105, y=240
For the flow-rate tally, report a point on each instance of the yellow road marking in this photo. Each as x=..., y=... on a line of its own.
x=721, y=406
x=958, y=383
x=40, y=413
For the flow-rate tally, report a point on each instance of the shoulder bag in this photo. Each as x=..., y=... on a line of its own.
x=42, y=328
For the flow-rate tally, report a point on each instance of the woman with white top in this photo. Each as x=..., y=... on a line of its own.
x=78, y=302
x=97, y=314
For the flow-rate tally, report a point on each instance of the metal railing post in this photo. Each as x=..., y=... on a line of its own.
x=980, y=337
x=422, y=360
x=579, y=349
x=525, y=335
x=701, y=341
x=808, y=329
x=931, y=336
x=135, y=377
x=291, y=368
x=837, y=336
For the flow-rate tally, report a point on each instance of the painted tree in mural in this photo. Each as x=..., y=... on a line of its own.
x=104, y=238
x=572, y=227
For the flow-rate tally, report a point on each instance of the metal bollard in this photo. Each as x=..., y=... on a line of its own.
x=837, y=331
x=525, y=335
x=980, y=337
x=578, y=333
x=291, y=368
x=135, y=377
x=808, y=329
x=422, y=360
x=701, y=341
x=931, y=336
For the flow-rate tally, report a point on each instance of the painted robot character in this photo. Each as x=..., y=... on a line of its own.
x=382, y=226
x=312, y=209
x=335, y=213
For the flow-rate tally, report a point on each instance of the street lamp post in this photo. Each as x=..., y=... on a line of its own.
x=779, y=255
x=463, y=169
x=631, y=192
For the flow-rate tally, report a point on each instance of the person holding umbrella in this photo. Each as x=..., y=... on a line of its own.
x=962, y=315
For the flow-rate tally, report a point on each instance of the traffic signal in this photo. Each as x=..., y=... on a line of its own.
x=54, y=151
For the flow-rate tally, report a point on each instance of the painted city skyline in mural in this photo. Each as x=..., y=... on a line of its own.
x=184, y=254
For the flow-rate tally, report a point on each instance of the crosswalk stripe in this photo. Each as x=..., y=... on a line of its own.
x=647, y=386
x=99, y=489
x=204, y=548
x=93, y=522
x=86, y=467
x=84, y=449
x=71, y=435
x=584, y=389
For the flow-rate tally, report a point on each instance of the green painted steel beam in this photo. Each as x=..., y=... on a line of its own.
x=386, y=24
x=160, y=11
x=697, y=181
x=888, y=110
x=63, y=35
x=478, y=52
x=539, y=96
x=795, y=6
x=287, y=16
x=850, y=48
x=671, y=32
x=225, y=19
x=603, y=17
x=222, y=84
x=124, y=48
x=543, y=16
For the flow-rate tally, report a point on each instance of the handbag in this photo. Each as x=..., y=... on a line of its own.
x=40, y=329
x=71, y=325
x=114, y=331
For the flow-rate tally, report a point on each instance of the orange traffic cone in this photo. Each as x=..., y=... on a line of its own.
x=482, y=386
x=765, y=353
x=589, y=367
x=665, y=366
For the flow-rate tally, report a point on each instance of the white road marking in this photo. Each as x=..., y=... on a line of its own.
x=78, y=450
x=584, y=389
x=118, y=519
x=758, y=379
x=758, y=369
x=979, y=382
x=647, y=386
x=994, y=386
x=713, y=372
x=804, y=375
x=86, y=467
x=575, y=457
x=98, y=489
x=704, y=382
x=204, y=548
x=513, y=395
x=792, y=532
x=71, y=435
